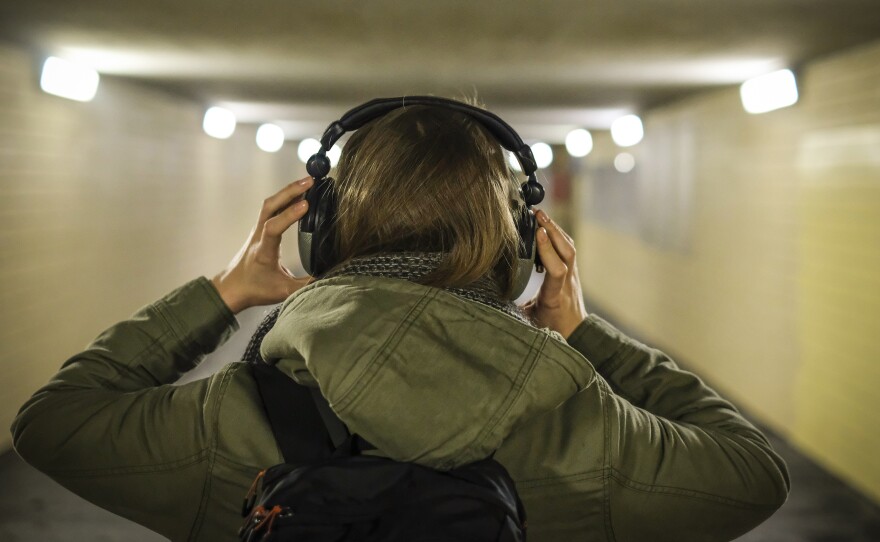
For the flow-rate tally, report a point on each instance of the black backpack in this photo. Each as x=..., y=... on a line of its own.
x=326, y=490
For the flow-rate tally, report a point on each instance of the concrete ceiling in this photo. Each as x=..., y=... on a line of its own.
x=545, y=66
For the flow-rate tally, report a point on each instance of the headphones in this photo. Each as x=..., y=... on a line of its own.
x=316, y=235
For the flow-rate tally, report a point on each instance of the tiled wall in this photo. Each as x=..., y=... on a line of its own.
x=104, y=206
x=773, y=292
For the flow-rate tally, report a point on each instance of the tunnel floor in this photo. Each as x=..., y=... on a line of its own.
x=820, y=509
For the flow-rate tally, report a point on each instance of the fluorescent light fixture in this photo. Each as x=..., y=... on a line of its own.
x=514, y=163
x=307, y=147
x=333, y=154
x=769, y=92
x=543, y=154
x=627, y=130
x=219, y=123
x=270, y=137
x=624, y=162
x=69, y=80
x=579, y=142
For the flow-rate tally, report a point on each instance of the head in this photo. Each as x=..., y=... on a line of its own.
x=423, y=179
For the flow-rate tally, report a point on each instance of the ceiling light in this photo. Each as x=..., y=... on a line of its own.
x=219, y=123
x=270, y=137
x=624, y=162
x=543, y=154
x=768, y=92
x=333, y=154
x=307, y=147
x=579, y=142
x=627, y=130
x=514, y=161
x=69, y=80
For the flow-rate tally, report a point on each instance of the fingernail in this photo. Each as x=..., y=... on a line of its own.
x=300, y=205
x=542, y=233
x=542, y=216
x=303, y=182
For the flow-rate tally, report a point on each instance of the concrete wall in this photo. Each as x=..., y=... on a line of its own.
x=749, y=247
x=104, y=206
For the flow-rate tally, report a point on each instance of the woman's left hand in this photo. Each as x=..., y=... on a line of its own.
x=255, y=275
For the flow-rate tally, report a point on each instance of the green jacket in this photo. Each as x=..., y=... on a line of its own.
x=607, y=439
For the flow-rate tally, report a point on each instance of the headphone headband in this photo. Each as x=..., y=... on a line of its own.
x=506, y=136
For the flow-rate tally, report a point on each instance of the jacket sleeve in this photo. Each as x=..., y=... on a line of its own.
x=682, y=463
x=109, y=425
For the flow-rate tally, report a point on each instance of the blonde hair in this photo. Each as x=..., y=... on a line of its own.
x=429, y=179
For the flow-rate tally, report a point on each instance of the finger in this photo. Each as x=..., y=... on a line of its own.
x=281, y=199
x=276, y=226
x=554, y=266
x=561, y=241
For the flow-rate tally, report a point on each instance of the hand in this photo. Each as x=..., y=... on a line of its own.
x=559, y=304
x=255, y=275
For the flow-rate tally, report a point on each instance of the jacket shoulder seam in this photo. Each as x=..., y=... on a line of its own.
x=512, y=395
x=371, y=367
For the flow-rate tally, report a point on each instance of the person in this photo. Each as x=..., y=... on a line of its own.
x=412, y=339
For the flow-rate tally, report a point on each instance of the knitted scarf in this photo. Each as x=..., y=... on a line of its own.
x=410, y=266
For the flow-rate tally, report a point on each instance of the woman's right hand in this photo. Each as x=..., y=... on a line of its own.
x=559, y=304
x=255, y=276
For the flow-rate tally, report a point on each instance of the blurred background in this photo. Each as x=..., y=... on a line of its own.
x=717, y=162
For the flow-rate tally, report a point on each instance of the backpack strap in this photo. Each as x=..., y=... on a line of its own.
x=303, y=424
x=296, y=420
x=346, y=444
x=334, y=426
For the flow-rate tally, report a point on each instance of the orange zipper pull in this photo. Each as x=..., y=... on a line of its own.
x=251, y=496
x=268, y=520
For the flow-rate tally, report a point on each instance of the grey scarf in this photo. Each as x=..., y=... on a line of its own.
x=410, y=266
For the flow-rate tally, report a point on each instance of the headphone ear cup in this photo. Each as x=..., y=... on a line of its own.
x=324, y=242
x=315, y=235
x=527, y=227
